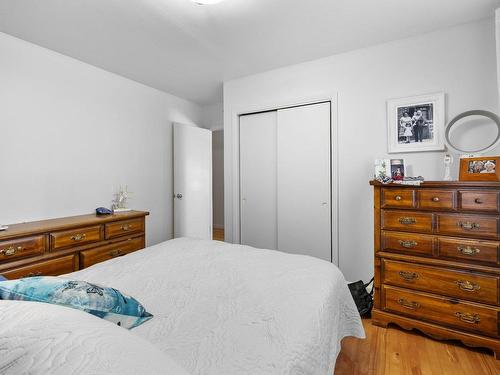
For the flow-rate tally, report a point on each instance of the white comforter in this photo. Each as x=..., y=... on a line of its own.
x=41, y=339
x=222, y=309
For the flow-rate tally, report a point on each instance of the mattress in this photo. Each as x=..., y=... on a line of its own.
x=224, y=309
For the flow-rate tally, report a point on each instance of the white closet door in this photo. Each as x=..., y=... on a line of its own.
x=258, y=180
x=304, y=192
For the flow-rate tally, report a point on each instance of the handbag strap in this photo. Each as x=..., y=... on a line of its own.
x=373, y=286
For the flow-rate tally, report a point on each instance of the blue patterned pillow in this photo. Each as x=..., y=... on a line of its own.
x=106, y=303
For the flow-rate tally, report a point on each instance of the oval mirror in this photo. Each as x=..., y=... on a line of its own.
x=473, y=131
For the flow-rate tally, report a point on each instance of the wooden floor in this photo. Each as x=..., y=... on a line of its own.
x=218, y=234
x=399, y=352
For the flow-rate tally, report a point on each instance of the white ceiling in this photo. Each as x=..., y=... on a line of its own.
x=189, y=50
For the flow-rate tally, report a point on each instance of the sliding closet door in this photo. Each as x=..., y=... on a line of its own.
x=303, y=180
x=258, y=180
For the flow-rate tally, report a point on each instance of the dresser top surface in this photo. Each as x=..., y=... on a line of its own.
x=44, y=226
x=442, y=184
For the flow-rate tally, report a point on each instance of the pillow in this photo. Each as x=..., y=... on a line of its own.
x=41, y=339
x=106, y=303
x=2, y=278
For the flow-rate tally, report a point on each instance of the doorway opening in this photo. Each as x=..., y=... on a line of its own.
x=218, y=184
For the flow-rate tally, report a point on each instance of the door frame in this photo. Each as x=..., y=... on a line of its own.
x=233, y=234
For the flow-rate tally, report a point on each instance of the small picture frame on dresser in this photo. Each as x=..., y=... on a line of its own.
x=481, y=168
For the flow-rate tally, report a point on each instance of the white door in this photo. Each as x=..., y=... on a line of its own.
x=192, y=182
x=258, y=180
x=303, y=182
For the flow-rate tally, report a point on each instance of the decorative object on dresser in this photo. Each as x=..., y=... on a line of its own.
x=120, y=203
x=58, y=246
x=397, y=169
x=437, y=260
x=382, y=169
x=482, y=168
x=393, y=169
x=448, y=161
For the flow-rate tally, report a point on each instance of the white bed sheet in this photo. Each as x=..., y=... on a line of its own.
x=223, y=309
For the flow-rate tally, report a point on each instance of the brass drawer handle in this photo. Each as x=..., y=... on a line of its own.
x=408, y=244
x=436, y=199
x=115, y=253
x=478, y=201
x=468, y=225
x=408, y=305
x=407, y=220
x=398, y=198
x=127, y=227
x=468, y=250
x=468, y=318
x=78, y=237
x=408, y=276
x=32, y=274
x=467, y=286
x=11, y=250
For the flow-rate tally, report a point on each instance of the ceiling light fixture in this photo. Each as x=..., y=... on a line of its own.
x=206, y=2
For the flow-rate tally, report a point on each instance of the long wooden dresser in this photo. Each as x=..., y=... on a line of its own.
x=58, y=246
x=437, y=260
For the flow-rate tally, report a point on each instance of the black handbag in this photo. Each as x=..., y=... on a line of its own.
x=363, y=299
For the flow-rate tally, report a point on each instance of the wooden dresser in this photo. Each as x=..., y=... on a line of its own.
x=58, y=246
x=437, y=260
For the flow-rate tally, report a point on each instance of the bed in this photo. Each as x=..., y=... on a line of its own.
x=230, y=309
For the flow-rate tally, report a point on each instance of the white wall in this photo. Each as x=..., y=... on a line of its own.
x=459, y=61
x=497, y=34
x=71, y=133
x=213, y=117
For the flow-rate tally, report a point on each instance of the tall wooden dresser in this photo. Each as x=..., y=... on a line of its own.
x=437, y=260
x=58, y=246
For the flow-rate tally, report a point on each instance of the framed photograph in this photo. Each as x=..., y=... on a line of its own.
x=416, y=124
x=397, y=169
x=482, y=168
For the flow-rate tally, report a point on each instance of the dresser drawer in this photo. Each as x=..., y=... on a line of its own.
x=123, y=228
x=410, y=243
x=463, y=315
x=75, y=237
x=445, y=281
x=468, y=225
x=407, y=221
x=103, y=253
x=436, y=199
x=478, y=200
x=53, y=267
x=20, y=248
x=470, y=250
x=398, y=198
